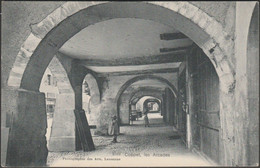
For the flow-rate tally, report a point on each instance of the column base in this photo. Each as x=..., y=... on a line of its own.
x=63, y=131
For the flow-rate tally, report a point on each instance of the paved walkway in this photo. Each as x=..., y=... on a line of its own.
x=157, y=145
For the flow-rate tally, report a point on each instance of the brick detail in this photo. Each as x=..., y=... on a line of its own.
x=22, y=60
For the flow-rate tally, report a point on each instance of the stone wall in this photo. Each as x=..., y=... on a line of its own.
x=224, y=13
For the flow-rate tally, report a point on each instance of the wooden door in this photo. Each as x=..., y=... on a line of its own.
x=205, y=105
x=182, y=116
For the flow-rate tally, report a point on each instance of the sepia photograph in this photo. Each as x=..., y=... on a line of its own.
x=129, y=83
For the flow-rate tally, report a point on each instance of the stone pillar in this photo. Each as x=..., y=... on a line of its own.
x=107, y=110
x=169, y=106
x=164, y=110
x=83, y=136
x=227, y=137
x=63, y=125
x=167, y=102
x=124, y=109
x=26, y=117
x=78, y=106
x=94, y=107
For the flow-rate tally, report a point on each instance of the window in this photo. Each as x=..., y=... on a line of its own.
x=49, y=79
x=50, y=108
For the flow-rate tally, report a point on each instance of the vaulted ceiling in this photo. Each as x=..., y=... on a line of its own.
x=129, y=46
x=126, y=44
x=121, y=38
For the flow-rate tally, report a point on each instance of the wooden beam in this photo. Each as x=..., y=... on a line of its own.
x=172, y=49
x=148, y=71
x=172, y=36
x=83, y=129
x=177, y=56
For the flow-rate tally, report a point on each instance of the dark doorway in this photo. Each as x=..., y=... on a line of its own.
x=205, y=107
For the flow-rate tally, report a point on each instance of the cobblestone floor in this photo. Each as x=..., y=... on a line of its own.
x=157, y=145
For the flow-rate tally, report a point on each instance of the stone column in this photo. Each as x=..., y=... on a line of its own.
x=83, y=135
x=94, y=107
x=227, y=128
x=164, y=110
x=27, y=120
x=107, y=110
x=63, y=124
x=124, y=109
x=78, y=106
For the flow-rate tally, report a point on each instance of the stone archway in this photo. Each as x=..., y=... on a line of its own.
x=124, y=101
x=146, y=91
x=144, y=77
x=207, y=33
x=142, y=92
x=94, y=90
x=152, y=100
x=50, y=34
x=136, y=99
x=139, y=78
x=94, y=101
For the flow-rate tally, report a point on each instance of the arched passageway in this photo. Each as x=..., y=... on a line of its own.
x=145, y=91
x=91, y=98
x=136, y=99
x=49, y=35
x=123, y=115
x=155, y=113
x=203, y=37
x=137, y=109
x=140, y=103
x=151, y=102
